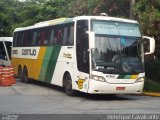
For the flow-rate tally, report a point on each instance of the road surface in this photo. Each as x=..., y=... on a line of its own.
x=39, y=98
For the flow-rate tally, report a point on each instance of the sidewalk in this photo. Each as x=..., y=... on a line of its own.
x=151, y=94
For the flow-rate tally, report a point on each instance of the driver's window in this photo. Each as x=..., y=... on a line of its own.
x=82, y=46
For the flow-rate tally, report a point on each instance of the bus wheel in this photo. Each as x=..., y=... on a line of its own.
x=19, y=71
x=24, y=76
x=68, y=86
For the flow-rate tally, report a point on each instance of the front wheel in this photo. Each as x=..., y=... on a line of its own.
x=68, y=86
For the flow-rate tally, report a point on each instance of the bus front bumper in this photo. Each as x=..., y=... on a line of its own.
x=97, y=87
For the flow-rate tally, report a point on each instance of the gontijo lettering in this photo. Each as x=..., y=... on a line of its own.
x=29, y=52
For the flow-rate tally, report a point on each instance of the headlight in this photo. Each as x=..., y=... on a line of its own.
x=141, y=79
x=97, y=78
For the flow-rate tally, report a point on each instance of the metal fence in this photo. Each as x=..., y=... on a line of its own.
x=152, y=81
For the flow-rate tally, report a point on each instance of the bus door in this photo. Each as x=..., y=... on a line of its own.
x=82, y=55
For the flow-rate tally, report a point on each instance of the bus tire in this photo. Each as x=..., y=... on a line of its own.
x=24, y=76
x=68, y=85
x=19, y=71
x=21, y=78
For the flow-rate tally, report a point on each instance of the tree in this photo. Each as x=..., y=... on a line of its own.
x=14, y=13
x=148, y=15
x=132, y=4
x=95, y=7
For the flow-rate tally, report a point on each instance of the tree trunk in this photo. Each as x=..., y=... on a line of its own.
x=132, y=3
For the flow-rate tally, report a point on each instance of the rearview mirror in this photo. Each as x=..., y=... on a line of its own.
x=91, y=39
x=150, y=44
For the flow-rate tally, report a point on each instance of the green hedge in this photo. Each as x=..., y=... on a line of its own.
x=152, y=72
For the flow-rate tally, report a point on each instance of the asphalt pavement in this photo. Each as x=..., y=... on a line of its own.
x=38, y=99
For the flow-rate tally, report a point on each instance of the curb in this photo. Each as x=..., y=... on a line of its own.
x=151, y=94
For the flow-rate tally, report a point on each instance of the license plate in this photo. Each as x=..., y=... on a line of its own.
x=120, y=88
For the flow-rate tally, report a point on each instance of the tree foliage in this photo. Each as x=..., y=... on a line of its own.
x=148, y=14
x=14, y=13
x=95, y=7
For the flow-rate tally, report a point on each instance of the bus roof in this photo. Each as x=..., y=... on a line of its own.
x=46, y=23
x=69, y=20
x=105, y=18
x=8, y=39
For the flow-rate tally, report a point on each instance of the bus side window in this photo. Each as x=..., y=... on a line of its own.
x=59, y=36
x=22, y=38
x=15, y=39
x=34, y=37
x=46, y=40
x=65, y=36
x=25, y=39
x=71, y=35
x=68, y=37
x=42, y=38
x=19, y=39
x=55, y=36
x=52, y=37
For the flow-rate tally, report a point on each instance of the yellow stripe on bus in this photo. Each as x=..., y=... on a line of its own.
x=39, y=61
x=33, y=65
x=134, y=76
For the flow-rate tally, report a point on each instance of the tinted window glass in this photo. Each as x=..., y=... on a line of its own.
x=15, y=39
x=25, y=38
x=52, y=37
x=43, y=37
x=71, y=35
x=19, y=38
x=34, y=38
x=2, y=52
x=59, y=34
x=8, y=46
x=68, y=37
x=82, y=45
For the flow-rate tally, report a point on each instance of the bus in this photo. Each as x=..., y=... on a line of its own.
x=90, y=54
x=5, y=51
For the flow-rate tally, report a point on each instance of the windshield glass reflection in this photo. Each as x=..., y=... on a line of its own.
x=117, y=55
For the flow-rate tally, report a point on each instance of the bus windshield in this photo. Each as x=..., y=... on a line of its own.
x=119, y=51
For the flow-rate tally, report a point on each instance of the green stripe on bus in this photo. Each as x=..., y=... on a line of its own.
x=121, y=76
x=124, y=77
x=45, y=63
x=127, y=77
x=52, y=63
